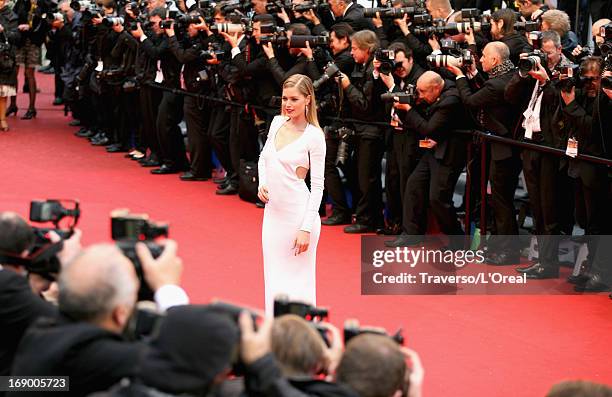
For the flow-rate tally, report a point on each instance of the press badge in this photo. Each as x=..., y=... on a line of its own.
x=100, y=66
x=572, y=147
x=427, y=143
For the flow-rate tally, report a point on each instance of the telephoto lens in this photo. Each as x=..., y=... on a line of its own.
x=331, y=70
x=227, y=28
x=529, y=64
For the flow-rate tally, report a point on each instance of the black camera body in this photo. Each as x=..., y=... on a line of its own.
x=343, y=134
x=315, y=6
x=408, y=96
x=393, y=13
x=274, y=39
x=532, y=61
x=331, y=70
x=353, y=329
x=128, y=229
x=113, y=21
x=386, y=59
x=528, y=26
x=568, y=77
x=299, y=41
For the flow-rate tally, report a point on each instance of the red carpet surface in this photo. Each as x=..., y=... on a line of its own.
x=469, y=345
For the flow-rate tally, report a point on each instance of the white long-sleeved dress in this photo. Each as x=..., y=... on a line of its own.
x=291, y=207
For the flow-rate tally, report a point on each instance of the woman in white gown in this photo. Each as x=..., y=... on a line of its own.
x=291, y=223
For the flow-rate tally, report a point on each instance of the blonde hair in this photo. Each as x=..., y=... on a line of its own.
x=304, y=86
x=557, y=20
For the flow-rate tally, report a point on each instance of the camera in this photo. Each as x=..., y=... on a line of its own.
x=214, y=50
x=353, y=329
x=54, y=16
x=274, y=7
x=270, y=28
x=299, y=41
x=450, y=47
x=606, y=82
x=275, y=39
x=42, y=259
x=315, y=6
x=528, y=26
x=386, y=59
x=228, y=28
x=464, y=58
x=422, y=19
x=314, y=315
x=344, y=135
x=330, y=71
x=113, y=21
x=567, y=77
x=452, y=28
x=536, y=39
x=128, y=229
x=470, y=13
x=531, y=62
x=393, y=13
x=408, y=96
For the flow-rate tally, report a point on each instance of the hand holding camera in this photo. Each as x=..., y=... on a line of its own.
x=254, y=344
x=268, y=50
x=165, y=270
x=170, y=30
x=138, y=32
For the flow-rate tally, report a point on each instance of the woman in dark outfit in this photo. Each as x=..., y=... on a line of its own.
x=33, y=29
x=9, y=36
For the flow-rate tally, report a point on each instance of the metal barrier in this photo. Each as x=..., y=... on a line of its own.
x=480, y=138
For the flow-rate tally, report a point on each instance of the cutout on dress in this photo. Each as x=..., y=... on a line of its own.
x=301, y=172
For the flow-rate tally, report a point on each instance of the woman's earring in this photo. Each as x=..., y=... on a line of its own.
x=306, y=109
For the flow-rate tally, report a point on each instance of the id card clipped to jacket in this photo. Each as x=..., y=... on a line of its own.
x=572, y=147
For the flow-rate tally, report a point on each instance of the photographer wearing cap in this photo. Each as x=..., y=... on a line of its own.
x=494, y=114
x=191, y=354
x=97, y=295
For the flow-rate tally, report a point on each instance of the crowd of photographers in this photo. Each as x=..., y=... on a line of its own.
x=80, y=312
x=400, y=81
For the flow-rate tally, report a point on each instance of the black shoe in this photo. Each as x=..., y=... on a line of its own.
x=149, y=163
x=101, y=142
x=188, y=176
x=224, y=185
x=405, y=240
x=11, y=110
x=84, y=133
x=337, y=219
x=220, y=181
x=580, y=279
x=260, y=204
x=358, y=228
x=30, y=114
x=75, y=123
x=164, y=170
x=58, y=102
x=49, y=70
x=390, y=230
x=230, y=190
x=502, y=259
x=117, y=148
x=595, y=284
x=95, y=137
x=527, y=269
x=542, y=273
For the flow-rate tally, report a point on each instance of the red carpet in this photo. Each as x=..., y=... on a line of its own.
x=469, y=345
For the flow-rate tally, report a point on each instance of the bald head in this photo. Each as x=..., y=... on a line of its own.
x=430, y=86
x=597, y=25
x=438, y=8
x=96, y=283
x=430, y=78
x=499, y=50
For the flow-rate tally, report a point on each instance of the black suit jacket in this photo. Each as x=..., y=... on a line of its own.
x=170, y=66
x=517, y=43
x=93, y=358
x=354, y=17
x=439, y=121
x=19, y=308
x=496, y=114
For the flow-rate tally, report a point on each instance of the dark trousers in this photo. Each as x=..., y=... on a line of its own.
x=542, y=177
x=431, y=184
x=218, y=130
x=197, y=119
x=592, y=205
x=59, y=84
x=333, y=183
x=503, y=175
x=402, y=158
x=242, y=138
x=150, y=98
x=171, y=144
x=369, y=153
x=129, y=119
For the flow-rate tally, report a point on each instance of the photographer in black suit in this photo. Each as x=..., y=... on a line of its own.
x=19, y=304
x=430, y=187
x=402, y=144
x=496, y=115
x=97, y=294
x=351, y=13
x=587, y=110
x=362, y=94
x=502, y=29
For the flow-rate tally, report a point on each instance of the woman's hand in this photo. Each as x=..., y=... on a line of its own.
x=263, y=194
x=301, y=242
